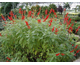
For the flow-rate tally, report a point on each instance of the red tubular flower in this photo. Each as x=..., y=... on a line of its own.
x=62, y=54
x=53, y=29
x=77, y=51
x=72, y=44
x=39, y=20
x=29, y=13
x=26, y=23
x=46, y=18
x=50, y=24
x=69, y=21
x=51, y=10
x=66, y=15
x=38, y=13
x=23, y=17
x=76, y=30
x=56, y=31
x=57, y=54
x=46, y=11
x=10, y=18
x=79, y=27
x=0, y=34
x=39, y=8
x=72, y=51
x=24, y=11
x=72, y=24
x=28, y=27
x=3, y=17
x=76, y=46
x=74, y=54
x=19, y=9
x=8, y=58
x=11, y=13
x=15, y=16
x=70, y=29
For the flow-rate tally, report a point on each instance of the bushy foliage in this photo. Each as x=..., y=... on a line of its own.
x=35, y=40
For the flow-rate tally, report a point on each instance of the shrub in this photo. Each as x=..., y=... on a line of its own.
x=36, y=44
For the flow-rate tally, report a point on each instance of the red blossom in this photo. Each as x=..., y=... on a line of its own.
x=15, y=16
x=62, y=54
x=72, y=44
x=38, y=13
x=28, y=27
x=0, y=34
x=24, y=11
x=53, y=29
x=46, y=11
x=70, y=29
x=57, y=54
x=3, y=17
x=72, y=24
x=76, y=46
x=23, y=17
x=11, y=13
x=79, y=27
x=46, y=18
x=51, y=10
x=29, y=13
x=56, y=31
x=72, y=51
x=77, y=51
x=74, y=54
x=26, y=23
x=76, y=30
x=39, y=20
x=19, y=9
x=8, y=58
x=10, y=18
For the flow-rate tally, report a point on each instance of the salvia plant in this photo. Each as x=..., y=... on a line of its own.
x=32, y=39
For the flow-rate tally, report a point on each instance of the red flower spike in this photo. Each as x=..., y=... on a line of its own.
x=51, y=10
x=8, y=58
x=28, y=27
x=0, y=34
x=23, y=17
x=46, y=11
x=19, y=9
x=24, y=11
x=11, y=13
x=15, y=16
x=39, y=20
x=53, y=29
x=56, y=30
x=72, y=24
x=77, y=51
x=29, y=13
x=57, y=54
x=72, y=51
x=38, y=13
x=10, y=18
x=72, y=44
x=79, y=27
x=62, y=54
x=74, y=54
x=26, y=23
x=76, y=30
x=3, y=17
x=76, y=46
